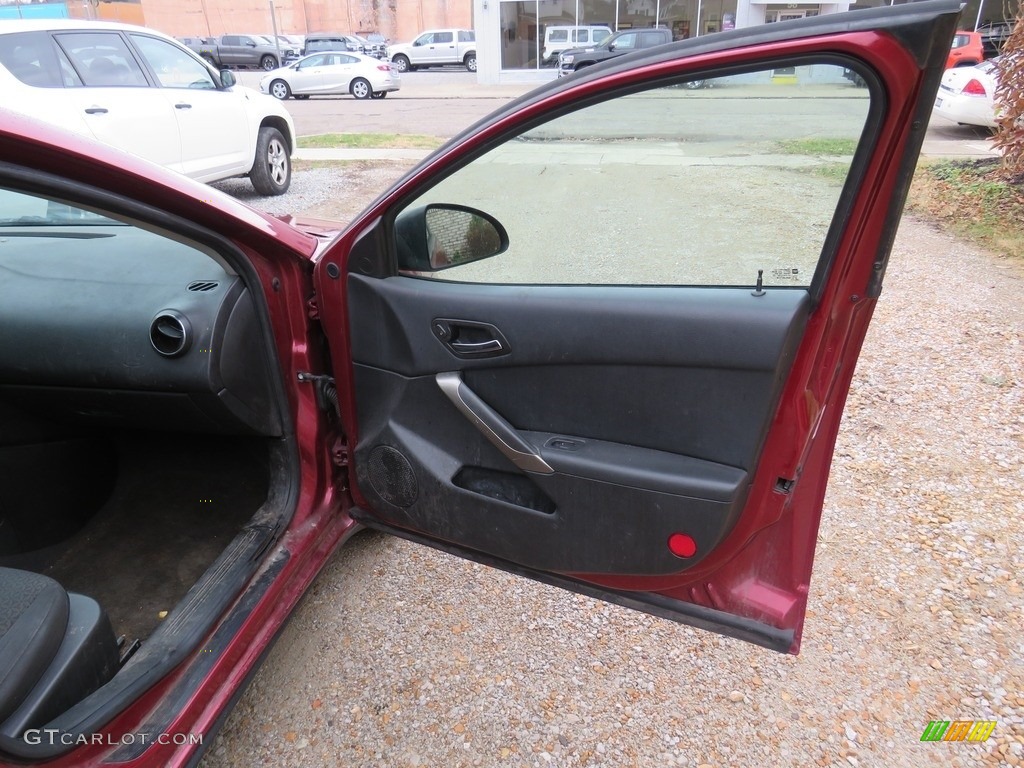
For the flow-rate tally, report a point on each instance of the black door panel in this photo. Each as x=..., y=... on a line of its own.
x=646, y=408
x=575, y=325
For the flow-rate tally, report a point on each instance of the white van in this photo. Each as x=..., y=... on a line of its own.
x=558, y=39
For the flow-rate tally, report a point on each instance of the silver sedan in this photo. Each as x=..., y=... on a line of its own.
x=332, y=73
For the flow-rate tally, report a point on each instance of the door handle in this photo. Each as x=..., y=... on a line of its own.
x=470, y=338
x=95, y=110
x=489, y=347
x=183, y=106
x=492, y=425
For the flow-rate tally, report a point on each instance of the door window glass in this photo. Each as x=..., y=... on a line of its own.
x=30, y=57
x=675, y=185
x=443, y=37
x=626, y=42
x=172, y=66
x=102, y=59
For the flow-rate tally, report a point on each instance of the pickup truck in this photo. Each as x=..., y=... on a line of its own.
x=435, y=48
x=245, y=51
x=627, y=41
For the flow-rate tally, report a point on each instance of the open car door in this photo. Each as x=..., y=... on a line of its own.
x=604, y=338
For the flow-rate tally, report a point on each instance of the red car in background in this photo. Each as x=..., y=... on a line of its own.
x=966, y=50
x=200, y=403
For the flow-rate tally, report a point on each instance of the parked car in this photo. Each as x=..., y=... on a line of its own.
x=144, y=92
x=966, y=50
x=253, y=51
x=994, y=36
x=376, y=38
x=561, y=38
x=288, y=51
x=201, y=403
x=195, y=43
x=575, y=59
x=321, y=42
x=967, y=95
x=331, y=73
x=435, y=48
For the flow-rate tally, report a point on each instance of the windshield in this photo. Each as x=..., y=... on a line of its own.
x=21, y=210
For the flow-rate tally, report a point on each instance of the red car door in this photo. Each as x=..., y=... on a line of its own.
x=603, y=338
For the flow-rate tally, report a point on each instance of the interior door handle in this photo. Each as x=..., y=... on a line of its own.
x=489, y=347
x=470, y=338
x=183, y=106
x=499, y=432
x=95, y=110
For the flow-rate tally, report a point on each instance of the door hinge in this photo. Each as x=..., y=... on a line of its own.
x=326, y=393
x=339, y=452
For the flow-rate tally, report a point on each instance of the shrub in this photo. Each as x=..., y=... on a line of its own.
x=1010, y=99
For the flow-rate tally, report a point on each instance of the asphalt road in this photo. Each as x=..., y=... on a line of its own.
x=442, y=102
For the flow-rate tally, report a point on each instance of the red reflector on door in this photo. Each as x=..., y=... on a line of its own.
x=682, y=545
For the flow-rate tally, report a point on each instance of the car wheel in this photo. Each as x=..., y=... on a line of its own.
x=271, y=173
x=693, y=85
x=401, y=63
x=470, y=62
x=360, y=88
x=279, y=90
x=302, y=96
x=379, y=94
x=209, y=59
x=268, y=62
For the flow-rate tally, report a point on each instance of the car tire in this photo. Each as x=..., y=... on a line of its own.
x=302, y=96
x=361, y=88
x=209, y=59
x=694, y=85
x=279, y=90
x=402, y=63
x=268, y=62
x=379, y=94
x=271, y=172
x=470, y=62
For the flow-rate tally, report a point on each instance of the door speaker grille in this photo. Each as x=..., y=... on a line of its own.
x=391, y=476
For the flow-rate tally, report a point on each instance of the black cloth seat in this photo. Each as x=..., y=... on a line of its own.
x=33, y=621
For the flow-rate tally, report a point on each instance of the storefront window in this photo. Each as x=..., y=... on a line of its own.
x=519, y=35
x=534, y=32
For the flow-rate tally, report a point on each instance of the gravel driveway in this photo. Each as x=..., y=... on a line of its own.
x=402, y=656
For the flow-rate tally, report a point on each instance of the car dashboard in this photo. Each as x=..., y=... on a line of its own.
x=110, y=324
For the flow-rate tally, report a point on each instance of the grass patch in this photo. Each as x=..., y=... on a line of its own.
x=836, y=172
x=306, y=165
x=370, y=141
x=968, y=198
x=817, y=147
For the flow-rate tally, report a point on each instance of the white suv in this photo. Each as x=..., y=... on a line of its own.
x=558, y=39
x=144, y=92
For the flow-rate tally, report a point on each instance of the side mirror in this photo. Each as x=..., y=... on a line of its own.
x=439, y=236
x=416, y=43
x=227, y=78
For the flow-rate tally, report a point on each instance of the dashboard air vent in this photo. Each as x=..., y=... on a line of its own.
x=201, y=286
x=170, y=333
